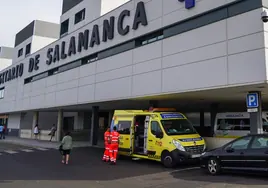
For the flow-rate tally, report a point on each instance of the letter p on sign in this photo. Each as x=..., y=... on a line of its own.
x=252, y=100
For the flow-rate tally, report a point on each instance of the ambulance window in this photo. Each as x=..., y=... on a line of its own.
x=234, y=124
x=124, y=127
x=155, y=128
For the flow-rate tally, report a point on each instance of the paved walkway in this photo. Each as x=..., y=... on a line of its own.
x=41, y=143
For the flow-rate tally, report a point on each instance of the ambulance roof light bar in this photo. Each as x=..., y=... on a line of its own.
x=162, y=110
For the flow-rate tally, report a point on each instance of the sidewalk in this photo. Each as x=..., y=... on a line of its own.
x=41, y=143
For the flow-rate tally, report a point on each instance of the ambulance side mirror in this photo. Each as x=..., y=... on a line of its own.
x=159, y=135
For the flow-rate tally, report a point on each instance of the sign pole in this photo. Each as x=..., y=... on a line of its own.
x=254, y=107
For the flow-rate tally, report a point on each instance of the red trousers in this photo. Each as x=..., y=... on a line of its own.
x=113, y=152
x=106, y=154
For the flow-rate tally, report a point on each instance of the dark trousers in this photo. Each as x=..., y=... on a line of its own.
x=2, y=135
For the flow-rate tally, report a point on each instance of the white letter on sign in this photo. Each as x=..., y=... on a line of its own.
x=251, y=99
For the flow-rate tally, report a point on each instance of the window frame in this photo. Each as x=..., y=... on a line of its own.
x=83, y=16
x=20, y=54
x=229, y=145
x=67, y=26
x=28, y=47
x=2, y=92
x=124, y=133
x=258, y=137
x=151, y=123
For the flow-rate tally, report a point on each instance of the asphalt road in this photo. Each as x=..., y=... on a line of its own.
x=43, y=169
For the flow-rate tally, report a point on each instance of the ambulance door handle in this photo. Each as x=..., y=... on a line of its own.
x=150, y=140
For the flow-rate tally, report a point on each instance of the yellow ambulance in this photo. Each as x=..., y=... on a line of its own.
x=159, y=134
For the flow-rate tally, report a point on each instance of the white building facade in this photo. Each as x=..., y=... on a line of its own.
x=144, y=50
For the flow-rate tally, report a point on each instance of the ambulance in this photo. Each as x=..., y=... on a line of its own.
x=235, y=124
x=159, y=134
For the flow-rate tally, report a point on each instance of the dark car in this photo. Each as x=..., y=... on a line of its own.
x=247, y=153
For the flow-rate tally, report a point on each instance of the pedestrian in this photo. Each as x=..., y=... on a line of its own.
x=114, y=145
x=1, y=131
x=36, y=131
x=107, y=142
x=52, y=131
x=4, y=131
x=66, y=147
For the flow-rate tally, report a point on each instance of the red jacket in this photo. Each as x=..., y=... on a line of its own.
x=107, y=138
x=115, y=137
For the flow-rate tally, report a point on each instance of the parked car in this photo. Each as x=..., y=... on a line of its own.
x=247, y=153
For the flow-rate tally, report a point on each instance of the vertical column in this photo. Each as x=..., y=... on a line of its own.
x=110, y=118
x=254, y=105
x=202, y=123
x=94, y=126
x=59, y=125
x=213, y=112
x=35, y=122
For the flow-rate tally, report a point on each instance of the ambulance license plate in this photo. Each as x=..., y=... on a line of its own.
x=196, y=156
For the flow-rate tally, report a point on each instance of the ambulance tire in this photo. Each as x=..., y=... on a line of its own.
x=167, y=159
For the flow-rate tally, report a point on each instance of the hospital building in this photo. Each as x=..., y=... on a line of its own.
x=201, y=57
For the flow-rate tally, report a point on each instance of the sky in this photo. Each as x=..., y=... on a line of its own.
x=16, y=14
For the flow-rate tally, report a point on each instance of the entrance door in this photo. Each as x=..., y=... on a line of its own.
x=68, y=123
x=154, y=143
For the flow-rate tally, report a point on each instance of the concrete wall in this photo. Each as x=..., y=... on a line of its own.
x=39, y=42
x=108, y=5
x=220, y=54
x=93, y=9
x=213, y=143
x=26, y=120
x=4, y=63
x=14, y=124
x=23, y=45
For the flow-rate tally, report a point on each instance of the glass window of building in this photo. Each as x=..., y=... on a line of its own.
x=80, y=16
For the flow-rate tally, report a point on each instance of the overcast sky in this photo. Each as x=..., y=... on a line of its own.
x=16, y=14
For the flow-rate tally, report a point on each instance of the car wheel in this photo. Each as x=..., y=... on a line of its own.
x=167, y=159
x=213, y=166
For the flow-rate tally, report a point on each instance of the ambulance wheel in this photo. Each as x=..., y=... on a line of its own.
x=167, y=159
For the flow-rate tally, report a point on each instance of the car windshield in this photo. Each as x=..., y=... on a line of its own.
x=178, y=127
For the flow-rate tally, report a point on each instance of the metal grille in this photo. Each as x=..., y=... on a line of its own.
x=194, y=149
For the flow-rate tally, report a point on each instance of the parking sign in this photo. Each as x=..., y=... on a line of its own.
x=252, y=100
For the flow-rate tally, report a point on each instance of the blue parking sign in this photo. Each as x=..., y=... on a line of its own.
x=252, y=100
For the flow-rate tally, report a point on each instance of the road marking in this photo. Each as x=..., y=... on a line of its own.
x=136, y=159
x=27, y=150
x=186, y=169
x=10, y=151
x=42, y=149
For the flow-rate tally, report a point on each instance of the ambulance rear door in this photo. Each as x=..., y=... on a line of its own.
x=125, y=129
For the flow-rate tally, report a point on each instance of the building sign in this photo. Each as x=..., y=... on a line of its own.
x=85, y=40
x=11, y=73
x=188, y=3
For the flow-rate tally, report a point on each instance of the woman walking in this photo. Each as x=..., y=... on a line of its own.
x=66, y=147
x=36, y=131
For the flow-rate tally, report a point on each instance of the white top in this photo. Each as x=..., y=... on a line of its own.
x=36, y=130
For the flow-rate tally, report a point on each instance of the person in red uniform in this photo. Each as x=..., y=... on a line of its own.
x=114, y=145
x=107, y=142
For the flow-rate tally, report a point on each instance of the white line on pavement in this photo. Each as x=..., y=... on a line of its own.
x=186, y=169
x=42, y=149
x=10, y=151
x=27, y=150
